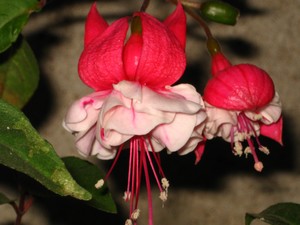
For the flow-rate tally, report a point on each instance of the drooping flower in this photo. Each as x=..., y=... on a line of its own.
x=241, y=104
x=134, y=104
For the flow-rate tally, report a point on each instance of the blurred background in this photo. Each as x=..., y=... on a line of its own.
x=222, y=187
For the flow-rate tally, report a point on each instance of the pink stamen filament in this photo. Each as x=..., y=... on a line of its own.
x=156, y=157
x=129, y=171
x=153, y=169
x=114, y=163
x=245, y=127
x=148, y=185
x=138, y=156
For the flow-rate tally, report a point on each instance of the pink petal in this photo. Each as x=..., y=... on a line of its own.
x=175, y=134
x=84, y=112
x=131, y=55
x=127, y=120
x=85, y=141
x=242, y=87
x=219, y=122
x=271, y=112
x=133, y=109
x=88, y=145
x=110, y=138
x=199, y=151
x=101, y=64
x=219, y=63
x=95, y=25
x=162, y=61
x=181, y=98
x=273, y=131
x=176, y=22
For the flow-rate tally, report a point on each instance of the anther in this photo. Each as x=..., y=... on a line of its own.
x=165, y=183
x=258, y=166
x=128, y=222
x=264, y=150
x=163, y=196
x=247, y=151
x=127, y=196
x=99, y=184
x=238, y=148
x=135, y=214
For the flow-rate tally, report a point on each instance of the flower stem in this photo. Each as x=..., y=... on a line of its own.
x=144, y=5
x=22, y=208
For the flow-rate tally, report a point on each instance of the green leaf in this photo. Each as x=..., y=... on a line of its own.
x=87, y=175
x=14, y=15
x=279, y=214
x=22, y=149
x=19, y=74
x=4, y=199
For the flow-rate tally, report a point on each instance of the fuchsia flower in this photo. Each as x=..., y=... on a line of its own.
x=241, y=104
x=133, y=104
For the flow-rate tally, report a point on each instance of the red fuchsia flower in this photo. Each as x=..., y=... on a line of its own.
x=133, y=104
x=241, y=104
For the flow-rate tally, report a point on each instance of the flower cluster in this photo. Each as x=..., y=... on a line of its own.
x=132, y=66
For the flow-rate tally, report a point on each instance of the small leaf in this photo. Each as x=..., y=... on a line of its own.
x=278, y=214
x=14, y=15
x=19, y=74
x=87, y=175
x=22, y=149
x=4, y=199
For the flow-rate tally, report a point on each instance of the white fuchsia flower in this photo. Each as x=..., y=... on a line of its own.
x=134, y=104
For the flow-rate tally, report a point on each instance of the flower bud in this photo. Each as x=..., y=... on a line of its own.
x=220, y=12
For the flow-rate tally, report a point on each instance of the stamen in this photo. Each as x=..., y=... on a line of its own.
x=135, y=215
x=257, y=117
x=156, y=158
x=128, y=222
x=238, y=148
x=258, y=166
x=247, y=151
x=99, y=184
x=163, y=196
x=153, y=169
x=126, y=196
x=165, y=183
x=264, y=149
x=245, y=130
x=241, y=136
x=114, y=162
x=148, y=186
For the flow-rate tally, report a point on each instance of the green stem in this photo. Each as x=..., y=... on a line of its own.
x=144, y=5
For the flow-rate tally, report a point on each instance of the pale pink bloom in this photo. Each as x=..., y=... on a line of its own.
x=134, y=105
x=105, y=120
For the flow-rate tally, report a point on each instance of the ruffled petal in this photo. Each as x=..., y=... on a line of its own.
x=272, y=112
x=83, y=113
x=174, y=135
x=170, y=116
x=185, y=131
x=219, y=122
